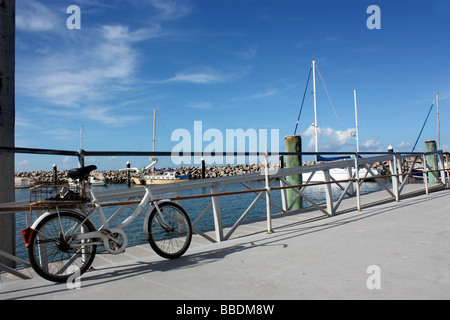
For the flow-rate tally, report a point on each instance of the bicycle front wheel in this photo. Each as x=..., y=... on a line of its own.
x=54, y=252
x=169, y=231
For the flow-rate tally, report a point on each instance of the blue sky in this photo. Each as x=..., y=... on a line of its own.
x=230, y=64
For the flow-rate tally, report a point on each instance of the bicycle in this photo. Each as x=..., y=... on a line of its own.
x=64, y=240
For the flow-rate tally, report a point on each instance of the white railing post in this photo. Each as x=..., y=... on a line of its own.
x=442, y=167
x=269, y=213
x=358, y=190
x=397, y=170
x=217, y=214
x=328, y=195
x=351, y=189
x=394, y=173
x=425, y=173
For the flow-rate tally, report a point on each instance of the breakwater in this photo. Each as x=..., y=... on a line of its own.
x=120, y=177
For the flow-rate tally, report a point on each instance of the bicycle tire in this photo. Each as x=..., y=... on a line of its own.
x=171, y=241
x=55, y=258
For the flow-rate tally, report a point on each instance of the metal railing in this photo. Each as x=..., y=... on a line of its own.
x=397, y=167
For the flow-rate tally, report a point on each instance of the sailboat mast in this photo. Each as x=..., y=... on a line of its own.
x=154, y=128
x=81, y=137
x=438, y=122
x=315, y=109
x=357, y=128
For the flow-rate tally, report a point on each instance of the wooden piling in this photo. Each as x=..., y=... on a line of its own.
x=430, y=146
x=203, y=169
x=293, y=144
x=128, y=174
x=55, y=174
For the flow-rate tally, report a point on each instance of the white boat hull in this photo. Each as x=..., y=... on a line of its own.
x=338, y=175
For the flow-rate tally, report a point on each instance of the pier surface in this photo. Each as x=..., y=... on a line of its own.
x=408, y=242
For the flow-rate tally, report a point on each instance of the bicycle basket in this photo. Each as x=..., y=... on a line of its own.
x=57, y=195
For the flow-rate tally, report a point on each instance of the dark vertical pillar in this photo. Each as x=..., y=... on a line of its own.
x=7, y=118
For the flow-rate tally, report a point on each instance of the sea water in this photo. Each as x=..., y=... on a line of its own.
x=232, y=207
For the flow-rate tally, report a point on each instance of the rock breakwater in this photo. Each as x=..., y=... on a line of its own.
x=120, y=177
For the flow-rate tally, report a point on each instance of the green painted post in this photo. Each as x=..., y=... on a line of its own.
x=293, y=144
x=432, y=162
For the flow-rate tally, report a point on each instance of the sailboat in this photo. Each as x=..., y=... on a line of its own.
x=159, y=176
x=418, y=170
x=335, y=173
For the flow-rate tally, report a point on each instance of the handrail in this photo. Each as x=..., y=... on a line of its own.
x=395, y=173
x=196, y=153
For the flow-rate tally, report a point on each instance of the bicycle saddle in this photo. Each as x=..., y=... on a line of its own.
x=81, y=173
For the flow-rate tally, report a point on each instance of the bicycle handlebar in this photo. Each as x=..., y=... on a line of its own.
x=154, y=161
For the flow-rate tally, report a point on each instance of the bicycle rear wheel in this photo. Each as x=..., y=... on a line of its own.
x=169, y=232
x=53, y=252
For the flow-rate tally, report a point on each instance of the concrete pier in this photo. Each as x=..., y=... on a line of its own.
x=395, y=250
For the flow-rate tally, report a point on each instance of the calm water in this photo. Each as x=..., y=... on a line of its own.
x=232, y=208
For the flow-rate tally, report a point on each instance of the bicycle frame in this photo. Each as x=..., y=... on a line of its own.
x=105, y=233
x=65, y=236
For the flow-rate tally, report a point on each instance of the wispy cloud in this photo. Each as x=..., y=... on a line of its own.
x=404, y=146
x=170, y=9
x=101, y=69
x=370, y=145
x=202, y=76
x=249, y=54
x=258, y=95
x=34, y=16
x=333, y=39
x=85, y=73
x=201, y=105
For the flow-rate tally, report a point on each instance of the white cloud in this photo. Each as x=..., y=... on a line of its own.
x=201, y=76
x=370, y=145
x=445, y=147
x=23, y=165
x=263, y=94
x=329, y=139
x=201, y=105
x=102, y=67
x=249, y=54
x=34, y=16
x=171, y=9
x=338, y=140
x=122, y=33
x=82, y=73
x=107, y=116
x=404, y=145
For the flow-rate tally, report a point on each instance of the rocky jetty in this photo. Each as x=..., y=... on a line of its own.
x=120, y=177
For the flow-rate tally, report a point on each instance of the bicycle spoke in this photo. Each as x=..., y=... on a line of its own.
x=169, y=230
x=53, y=253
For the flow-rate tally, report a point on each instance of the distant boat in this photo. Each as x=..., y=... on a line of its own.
x=93, y=181
x=23, y=183
x=418, y=170
x=96, y=182
x=166, y=177
x=158, y=176
x=337, y=173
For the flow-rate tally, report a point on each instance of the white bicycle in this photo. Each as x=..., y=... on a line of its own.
x=64, y=240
